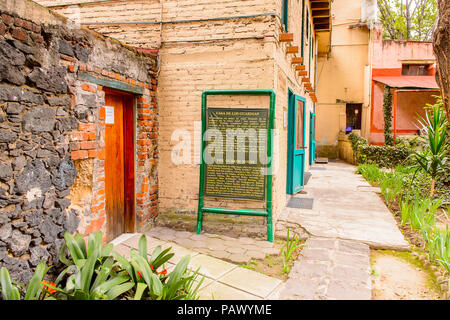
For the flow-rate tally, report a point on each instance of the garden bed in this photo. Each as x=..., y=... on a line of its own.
x=422, y=220
x=272, y=265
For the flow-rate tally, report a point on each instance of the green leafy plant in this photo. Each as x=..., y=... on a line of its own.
x=291, y=245
x=391, y=187
x=371, y=173
x=92, y=276
x=434, y=159
x=35, y=290
x=387, y=112
x=158, y=285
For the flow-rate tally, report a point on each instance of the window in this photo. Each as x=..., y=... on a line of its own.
x=415, y=69
x=353, y=116
x=284, y=11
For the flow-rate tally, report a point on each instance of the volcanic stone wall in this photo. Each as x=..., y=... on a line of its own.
x=52, y=122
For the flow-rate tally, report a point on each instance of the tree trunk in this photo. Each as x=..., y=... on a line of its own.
x=441, y=47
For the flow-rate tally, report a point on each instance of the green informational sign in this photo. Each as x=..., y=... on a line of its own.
x=237, y=171
x=241, y=179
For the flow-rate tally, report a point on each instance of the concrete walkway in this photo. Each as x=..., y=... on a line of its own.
x=223, y=280
x=346, y=219
x=345, y=206
x=235, y=250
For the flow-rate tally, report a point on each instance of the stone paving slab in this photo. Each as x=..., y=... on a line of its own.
x=222, y=280
x=220, y=291
x=342, y=209
x=252, y=282
x=330, y=269
x=236, y=250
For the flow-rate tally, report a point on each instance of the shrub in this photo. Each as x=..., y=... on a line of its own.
x=95, y=272
x=383, y=156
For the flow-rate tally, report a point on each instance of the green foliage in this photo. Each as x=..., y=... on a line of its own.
x=33, y=291
x=383, y=156
x=391, y=187
x=155, y=285
x=438, y=245
x=291, y=245
x=410, y=19
x=95, y=272
x=433, y=160
x=406, y=186
x=371, y=173
x=387, y=112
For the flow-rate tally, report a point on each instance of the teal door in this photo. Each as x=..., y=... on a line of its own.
x=312, y=138
x=296, y=144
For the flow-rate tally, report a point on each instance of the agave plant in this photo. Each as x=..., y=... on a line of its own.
x=434, y=159
x=35, y=290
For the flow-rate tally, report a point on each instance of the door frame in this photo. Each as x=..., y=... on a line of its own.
x=129, y=154
x=312, y=138
x=291, y=143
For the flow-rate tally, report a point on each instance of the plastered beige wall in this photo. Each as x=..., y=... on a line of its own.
x=231, y=53
x=340, y=74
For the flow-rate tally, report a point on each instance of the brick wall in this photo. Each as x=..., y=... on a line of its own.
x=226, y=52
x=52, y=147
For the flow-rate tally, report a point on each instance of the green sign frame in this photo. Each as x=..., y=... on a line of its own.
x=264, y=213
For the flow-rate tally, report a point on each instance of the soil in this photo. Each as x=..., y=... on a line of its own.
x=400, y=276
x=273, y=265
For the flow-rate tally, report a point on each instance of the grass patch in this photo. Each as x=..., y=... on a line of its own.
x=272, y=265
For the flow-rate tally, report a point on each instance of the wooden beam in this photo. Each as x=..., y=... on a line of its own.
x=305, y=80
x=297, y=60
x=292, y=49
x=321, y=27
x=300, y=67
x=321, y=20
x=286, y=37
x=321, y=13
x=303, y=73
x=320, y=5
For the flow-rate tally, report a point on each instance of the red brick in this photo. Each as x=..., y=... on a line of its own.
x=74, y=146
x=18, y=22
x=82, y=126
x=143, y=142
x=36, y=28
x=28, y=25
x=78, y=136
x=101, y=154
x=19, y=34
x=101, y=113
x=87, y=145
x=82, y=67
x=144, y=188
x=7, y=19
x=81, y=154
x=92, y=136
x=37, y=38
x=68, y=58
x=87, y=87
x=71, y=68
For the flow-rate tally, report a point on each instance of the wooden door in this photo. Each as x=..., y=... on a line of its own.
x=119, y=163
x=296, y=144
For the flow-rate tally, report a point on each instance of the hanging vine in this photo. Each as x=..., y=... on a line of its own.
x=387, y=111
